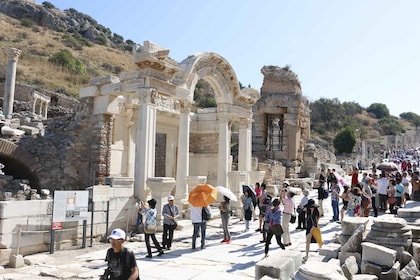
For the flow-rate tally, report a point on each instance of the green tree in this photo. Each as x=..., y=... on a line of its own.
x=391, y=126
x=345, y=140
x=411, y=117
x=379, y=110
x=327, y=113
x=65, y=58
x=352, y=108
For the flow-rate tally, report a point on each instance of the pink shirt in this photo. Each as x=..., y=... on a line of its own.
x=289, y=205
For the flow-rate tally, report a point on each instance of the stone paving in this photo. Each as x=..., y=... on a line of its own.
x=234, y=261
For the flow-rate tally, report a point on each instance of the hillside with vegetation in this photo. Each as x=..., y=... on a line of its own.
x=62, y=50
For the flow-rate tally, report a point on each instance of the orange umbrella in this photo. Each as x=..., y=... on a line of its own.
x=202, y=195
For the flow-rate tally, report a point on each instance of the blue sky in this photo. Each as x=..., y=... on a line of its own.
x=362, y=51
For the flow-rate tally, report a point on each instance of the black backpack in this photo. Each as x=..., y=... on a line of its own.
x=205, y=214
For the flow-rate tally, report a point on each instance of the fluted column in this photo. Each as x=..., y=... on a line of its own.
x=245, y=148
x=9, y=93
x=183, y=156
x=223, y=151
x=145, y=142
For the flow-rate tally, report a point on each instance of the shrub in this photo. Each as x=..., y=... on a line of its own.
x=26, y=22
x=66, y=59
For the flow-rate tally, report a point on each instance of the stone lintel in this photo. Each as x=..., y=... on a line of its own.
x=111, y=89
x=132, y=85
x=89, y=91
x=103, y=80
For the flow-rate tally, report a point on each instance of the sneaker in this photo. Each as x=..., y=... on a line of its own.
x=258, y=229
x=149, y=256
x=228, y=241
x=223, y=241
x=282, y=246
x=160, y=253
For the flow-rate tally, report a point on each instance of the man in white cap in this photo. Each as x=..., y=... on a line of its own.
x=121, y=261
x=170, y=213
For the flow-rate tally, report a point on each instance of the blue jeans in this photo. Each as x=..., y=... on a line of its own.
x=336, y=211
x=197, y=227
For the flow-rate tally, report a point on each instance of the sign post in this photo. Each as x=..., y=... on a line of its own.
x=68, y=206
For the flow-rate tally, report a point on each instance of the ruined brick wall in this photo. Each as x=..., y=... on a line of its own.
x=73, y=152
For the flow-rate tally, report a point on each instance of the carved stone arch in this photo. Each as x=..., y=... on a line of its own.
x=19, y=163
x=215, y=70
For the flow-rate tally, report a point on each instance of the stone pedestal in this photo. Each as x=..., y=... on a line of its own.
x=255, y=176
x=236, y=180
x=160, y=188
x=183, y=203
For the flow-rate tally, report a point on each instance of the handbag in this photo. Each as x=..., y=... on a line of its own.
x=150, y=229
x=293, y=218
x=392, y=200
x=275, y=229
x=316, y=234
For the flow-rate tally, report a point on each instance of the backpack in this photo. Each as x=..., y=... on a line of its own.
x=205, y=214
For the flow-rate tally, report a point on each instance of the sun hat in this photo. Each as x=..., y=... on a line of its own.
x=286, y=182
x=171, y=197
x=117, y=234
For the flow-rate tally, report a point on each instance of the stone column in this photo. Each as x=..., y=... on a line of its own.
x=132, y=118
x=45, y=115
x=145, y=142
x=160, y=188
x=34, y=105
x=9, y=93
x=182, y=166
x=245, y=146
x=223, y=151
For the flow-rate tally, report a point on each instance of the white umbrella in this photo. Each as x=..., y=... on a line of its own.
x=226, y=192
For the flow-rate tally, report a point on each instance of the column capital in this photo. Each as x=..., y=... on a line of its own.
x=245, y=123
x=13, y=53
x=185, y=106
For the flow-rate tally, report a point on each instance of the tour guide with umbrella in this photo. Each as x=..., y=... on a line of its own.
x=202, y=195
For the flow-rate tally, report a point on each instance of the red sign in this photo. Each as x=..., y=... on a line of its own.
x=57, y=225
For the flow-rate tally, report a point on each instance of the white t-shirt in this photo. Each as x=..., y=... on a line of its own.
x=382, y=185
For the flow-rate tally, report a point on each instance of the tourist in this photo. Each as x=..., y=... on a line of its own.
x=330, y=176
x=199, y=223
x=274, y=220
x=373, y=190
x=139, y=214
x=366, y=196
x=170, y=213
x=312, y=219
x=354, y=177
x=391, y=195
x=382, y=183
x=322, y=191
x=255, y=205
x=415, y=183
x=284, y=190
x=150, y=214
x=335, y=199
x=399, y=192
x=225, y=211
x=355, y=201
x=247, y=208
x=288, y=210
x=263, y=203
x=345, y=196
x=121, y=261
x=405, y=181
x=301, y=209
